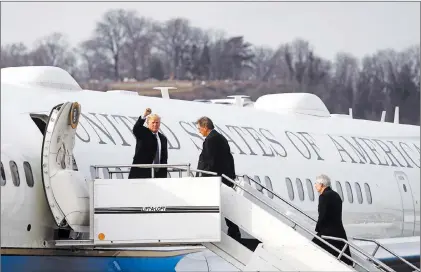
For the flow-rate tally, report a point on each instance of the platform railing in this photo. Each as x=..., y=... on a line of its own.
x=170, y=168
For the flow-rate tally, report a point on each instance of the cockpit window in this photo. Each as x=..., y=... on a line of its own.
x=28, y=174
x=15, y=173
x=3, y=176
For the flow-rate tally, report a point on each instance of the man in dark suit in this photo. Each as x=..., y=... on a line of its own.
x=329, y=222
x=216, y=157
x=151, y=147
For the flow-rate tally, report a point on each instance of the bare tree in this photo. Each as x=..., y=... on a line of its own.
x=344, y=82
x=95, y=61
x=51, y=50
x=307, y=71
x=173, y=37
x=265, y=62
x=110, y=34
x=216, y=52
x=371, y=89
x=15, y=54
x=239, y=54
x=296, y=56
x=138, y=43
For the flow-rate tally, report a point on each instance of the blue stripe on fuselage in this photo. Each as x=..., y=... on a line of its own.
x=408, y=258
x=12, y=263
x=397, y=265
x=15, y=263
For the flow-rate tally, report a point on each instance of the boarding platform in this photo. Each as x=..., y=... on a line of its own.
x=113, y=211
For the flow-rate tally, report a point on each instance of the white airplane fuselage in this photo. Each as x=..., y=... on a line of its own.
x=380, y=161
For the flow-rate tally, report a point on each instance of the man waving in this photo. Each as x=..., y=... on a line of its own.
x=151, y=146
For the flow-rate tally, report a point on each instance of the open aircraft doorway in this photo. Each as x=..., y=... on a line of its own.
x=41, y=119
x=59, y=167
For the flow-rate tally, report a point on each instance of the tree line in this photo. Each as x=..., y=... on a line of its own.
x=125, y=46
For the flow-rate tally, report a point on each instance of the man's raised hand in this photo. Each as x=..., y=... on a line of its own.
x=147, y=112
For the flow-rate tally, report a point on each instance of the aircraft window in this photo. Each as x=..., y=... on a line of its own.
x=15, y=173
x=359, y=193
x=119, y=175
x=404, y=187
x=339, y=190
x=300, y=189
x=290, y=188
x=268, y=183
x=3, y=176
x=258, y=187
x=28, y=174
x=368, y=193
x=349, y=192
x=310, y=190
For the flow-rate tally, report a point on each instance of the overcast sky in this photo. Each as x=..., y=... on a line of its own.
x=355, y=27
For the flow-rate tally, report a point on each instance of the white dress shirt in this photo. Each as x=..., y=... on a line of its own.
x=159, y=145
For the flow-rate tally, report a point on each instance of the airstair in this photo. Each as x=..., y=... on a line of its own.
x=119, y=212
x=188, y=210
x=305, y=222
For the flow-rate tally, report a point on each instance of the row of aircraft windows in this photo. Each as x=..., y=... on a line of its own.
x=15, y=174
x=268, y=184
x=310, y=190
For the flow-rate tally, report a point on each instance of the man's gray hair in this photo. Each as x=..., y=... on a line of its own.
x=205, y=122
x=324, y=180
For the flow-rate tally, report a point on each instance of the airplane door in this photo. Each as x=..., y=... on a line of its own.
x=408, y=221
x=66, y=189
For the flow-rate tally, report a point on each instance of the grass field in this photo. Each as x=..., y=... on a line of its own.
x=146, y=88
x=189, y=90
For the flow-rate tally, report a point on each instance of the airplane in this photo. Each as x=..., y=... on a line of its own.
x=282, y=143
